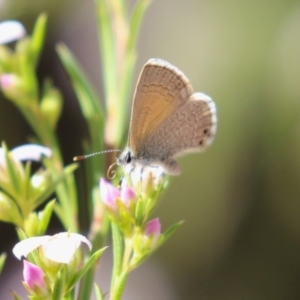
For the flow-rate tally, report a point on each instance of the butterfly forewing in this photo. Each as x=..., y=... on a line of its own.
x=161, y=90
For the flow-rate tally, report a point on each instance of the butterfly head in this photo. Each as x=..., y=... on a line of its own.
x=126, y=158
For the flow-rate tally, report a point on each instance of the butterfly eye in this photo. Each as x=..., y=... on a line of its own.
x=127, y=157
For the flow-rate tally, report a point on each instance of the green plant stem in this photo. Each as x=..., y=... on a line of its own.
x=118, y=288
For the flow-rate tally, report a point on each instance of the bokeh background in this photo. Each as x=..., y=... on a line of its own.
x=241, y=198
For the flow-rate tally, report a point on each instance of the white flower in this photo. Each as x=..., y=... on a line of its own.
x=11, y=31
x=27, y=152
x=59, y=248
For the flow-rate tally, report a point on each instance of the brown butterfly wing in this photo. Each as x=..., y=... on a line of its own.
x=161, y=90
x=190, y=128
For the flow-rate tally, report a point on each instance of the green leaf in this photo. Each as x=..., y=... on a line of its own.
x=91, y=108
x=58, y=179
x=87, y=266
x=6, y=60
x=107, y=46
x=170, y=231
x=2, y=261
x=140, y=212
x=21, y=234
x=135, y=23
x=38, y=37
x=98, y=292
x=87, y=97
x=26, y=71
x=59, y=286
x=16, y=296
x=13, y=175
x=51, y=103
x=45, y=217
x=10, y=211
x=118, y=252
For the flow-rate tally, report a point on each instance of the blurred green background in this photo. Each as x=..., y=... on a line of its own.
x=241, y=198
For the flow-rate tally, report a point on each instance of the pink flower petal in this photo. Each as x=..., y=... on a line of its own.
x=127, y=194
x=108, y=193
x=33, y=275
x=153, y=227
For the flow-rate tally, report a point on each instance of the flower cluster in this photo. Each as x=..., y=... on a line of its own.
x=130, y=207
x=56, y=263
x=20, y=191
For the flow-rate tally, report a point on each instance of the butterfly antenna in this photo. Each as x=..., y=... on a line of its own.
x=82, y=157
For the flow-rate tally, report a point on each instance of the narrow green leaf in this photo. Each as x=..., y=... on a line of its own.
x=170, y=231
x=118, y=252
x=38, y=37
x=87, y=266
x=6, y=60
x=49, y=190
x=2, y=261
x=59, y=286
x=91, y=108
x=13, y=175
x=87, y=97
x=135, y=23
x=21, y=234
x=45, y=217
x=138, y=261
x=140, y=212
x=107, y=46
x=15, y=296
x=66, y=206
x=98, y=292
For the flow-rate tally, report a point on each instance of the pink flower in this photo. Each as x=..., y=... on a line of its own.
x=109, y=194
x=127, y=194
x=153, y=228
x=33, y=275
x=8, y=80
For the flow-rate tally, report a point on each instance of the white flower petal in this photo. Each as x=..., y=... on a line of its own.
x=11, y=31
x=62, y=246
x=60, y=250
x=30, y=152
x=78, y=238
x=23, y=248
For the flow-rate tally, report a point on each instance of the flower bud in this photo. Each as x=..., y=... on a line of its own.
x=34, y=279
x=12, y=86
x=109, y=194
